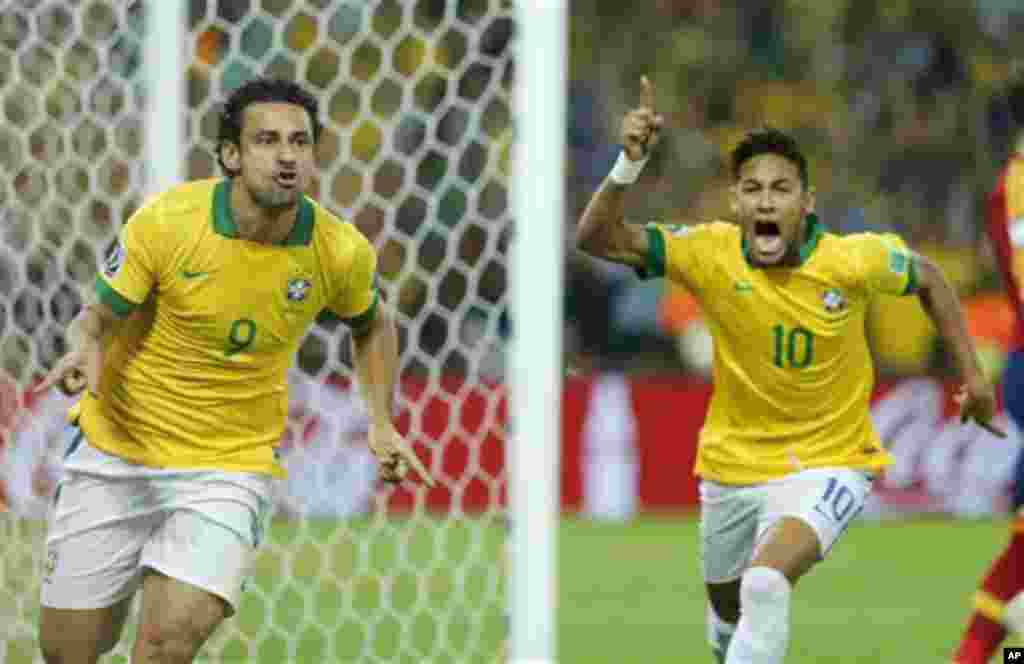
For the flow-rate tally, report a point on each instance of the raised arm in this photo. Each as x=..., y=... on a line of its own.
x=602, y=231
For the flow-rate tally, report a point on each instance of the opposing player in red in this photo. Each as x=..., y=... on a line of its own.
x=999, y=602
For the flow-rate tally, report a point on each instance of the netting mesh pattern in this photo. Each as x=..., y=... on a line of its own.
x=415, y=100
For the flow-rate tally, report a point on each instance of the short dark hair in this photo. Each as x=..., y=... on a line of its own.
x=769, y=141
x=257, y=91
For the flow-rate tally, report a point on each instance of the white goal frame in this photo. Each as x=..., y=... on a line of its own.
x=538, y=186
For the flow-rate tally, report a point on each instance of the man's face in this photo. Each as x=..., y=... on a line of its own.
x=770, y=203
x=275, y=157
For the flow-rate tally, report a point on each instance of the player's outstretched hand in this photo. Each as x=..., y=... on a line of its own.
x=76, y=371
x=395, y=455
x=641, y=126
x=978, y=403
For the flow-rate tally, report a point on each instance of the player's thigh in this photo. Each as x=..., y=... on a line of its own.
x=790, y=546
x=176, y=618
x=809, y=512
x=195, y=571
x=81, y=635
x=91, y=571
x=728, y=525
x=211, y=536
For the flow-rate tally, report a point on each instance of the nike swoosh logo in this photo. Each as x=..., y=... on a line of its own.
x=193, y=275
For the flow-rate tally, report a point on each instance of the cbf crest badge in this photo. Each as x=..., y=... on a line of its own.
x=834, y=300
x=297, y=289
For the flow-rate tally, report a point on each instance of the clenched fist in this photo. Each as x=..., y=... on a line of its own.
x=641, y=126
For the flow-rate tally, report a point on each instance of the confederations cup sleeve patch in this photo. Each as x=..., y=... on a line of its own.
x=114, y=260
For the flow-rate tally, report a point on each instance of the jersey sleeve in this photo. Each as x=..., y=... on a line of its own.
x=130, y=270
x=356, y=302
x=675, y=252
x=886, y=264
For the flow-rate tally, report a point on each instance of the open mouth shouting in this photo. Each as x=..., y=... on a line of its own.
x=768, y=243
x=287, y=179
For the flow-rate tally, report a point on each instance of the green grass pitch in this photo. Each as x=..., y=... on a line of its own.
x=891, y=592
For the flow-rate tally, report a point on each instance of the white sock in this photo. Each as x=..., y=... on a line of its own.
x=719, y=634
x=763, y=631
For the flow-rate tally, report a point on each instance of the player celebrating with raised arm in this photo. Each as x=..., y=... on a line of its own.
x=200, y=309
x=999, y=602
x=787, y=453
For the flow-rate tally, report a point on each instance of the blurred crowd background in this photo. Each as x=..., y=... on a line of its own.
x=903, y=107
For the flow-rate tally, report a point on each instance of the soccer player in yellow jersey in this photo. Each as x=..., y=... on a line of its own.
x=200, y=309
x=787, y=453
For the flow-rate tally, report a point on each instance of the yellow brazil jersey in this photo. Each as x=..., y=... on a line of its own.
x=196, y=375
x=792, y=369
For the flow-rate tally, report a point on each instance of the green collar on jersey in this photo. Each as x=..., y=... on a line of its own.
x=813, y=230
x=224, y=221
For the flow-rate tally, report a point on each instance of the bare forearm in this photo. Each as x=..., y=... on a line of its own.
x=376, y=358
x=605, y=212
x=81, y=367
x=940, y=302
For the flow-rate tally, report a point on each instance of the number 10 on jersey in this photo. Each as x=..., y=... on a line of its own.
x=794, y=349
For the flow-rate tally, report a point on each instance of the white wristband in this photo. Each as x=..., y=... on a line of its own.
x=625, y=170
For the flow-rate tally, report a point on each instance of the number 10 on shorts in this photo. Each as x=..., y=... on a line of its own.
x=837, y=502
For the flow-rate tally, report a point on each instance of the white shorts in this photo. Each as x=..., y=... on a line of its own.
x=734, y=518
x=112, y=518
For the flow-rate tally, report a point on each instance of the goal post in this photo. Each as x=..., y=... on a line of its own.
x=164, y=62
x=538, y=184
x=417, y=103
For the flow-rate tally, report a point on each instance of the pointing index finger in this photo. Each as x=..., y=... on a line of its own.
x=646, y=93
x=417, y=466
x=49, y=380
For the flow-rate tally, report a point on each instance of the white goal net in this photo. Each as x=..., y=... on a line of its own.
x=415, y=98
